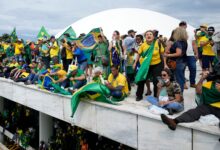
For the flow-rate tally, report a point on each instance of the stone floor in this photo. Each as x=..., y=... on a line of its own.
x=189, y=94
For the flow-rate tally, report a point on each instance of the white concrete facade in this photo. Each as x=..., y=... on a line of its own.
x=129, y=124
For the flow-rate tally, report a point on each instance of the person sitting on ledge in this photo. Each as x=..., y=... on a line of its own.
x=210, y=95
x=98, y=77
x=117, y=83
x=169, y=95
x=76, y=77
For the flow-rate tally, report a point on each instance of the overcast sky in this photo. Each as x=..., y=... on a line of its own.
x=29, y=15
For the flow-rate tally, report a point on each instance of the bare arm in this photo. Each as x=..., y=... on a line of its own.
x=199, y=84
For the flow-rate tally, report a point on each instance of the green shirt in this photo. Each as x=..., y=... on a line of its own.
x=78, y=74
x=102, y=49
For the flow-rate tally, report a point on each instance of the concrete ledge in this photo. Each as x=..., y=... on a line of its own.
x=126, y=123
x=2, y=147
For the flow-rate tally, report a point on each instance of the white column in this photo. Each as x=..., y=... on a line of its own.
x=1, y=104
x=45, y=127
x=1, y=111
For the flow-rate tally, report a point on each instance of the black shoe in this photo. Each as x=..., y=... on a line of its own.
x=169, y=122
x=148, y=93
x=170, y=111
x=139, y=98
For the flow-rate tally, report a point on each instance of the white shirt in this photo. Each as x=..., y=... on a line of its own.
x=190, y=51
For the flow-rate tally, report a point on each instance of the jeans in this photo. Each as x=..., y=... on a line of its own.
x=179, y=74
x=79, y=84
x=117, y=93
x=33, y=78
x=83, y=65
x=191, y=63
x=18, y=57
x=174, y=105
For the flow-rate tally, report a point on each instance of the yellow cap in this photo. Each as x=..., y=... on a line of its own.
x=204, y=25
x=40, y=39
x=72, y=67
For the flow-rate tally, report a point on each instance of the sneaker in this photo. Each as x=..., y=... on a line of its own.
x=139, y=98
x=185, y=86
x=169, y=122
x=148, y=93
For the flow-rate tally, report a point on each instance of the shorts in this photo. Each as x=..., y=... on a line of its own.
x=206, y=61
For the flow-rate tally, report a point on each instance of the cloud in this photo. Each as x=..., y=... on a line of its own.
x=29, y=15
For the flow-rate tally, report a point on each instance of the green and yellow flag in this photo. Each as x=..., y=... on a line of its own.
x=94, y=91
x=71, y=33
x=13, y=35
x=143, y=71
x=89, y=42
x=43, y=33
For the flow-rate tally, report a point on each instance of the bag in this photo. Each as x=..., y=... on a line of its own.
x=63, y=53
x=171, y=64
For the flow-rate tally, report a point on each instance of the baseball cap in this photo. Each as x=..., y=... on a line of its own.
x=211, y=29
x=52, y=37
x=131, y=31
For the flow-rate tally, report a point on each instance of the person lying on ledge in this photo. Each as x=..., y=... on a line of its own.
x=210, y=96
x=117, y=83
x=169, y=95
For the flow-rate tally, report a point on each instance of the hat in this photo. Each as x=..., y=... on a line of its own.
x=97, y=69
x=211, y=29
x=131, y=31
x=73, y=67
x=182, y=23
x=204, y=26
x=40, y=39
x=52, y=37
x=19, y=40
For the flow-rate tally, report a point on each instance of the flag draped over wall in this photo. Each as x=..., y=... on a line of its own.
x=94, y=91
x=43, y=33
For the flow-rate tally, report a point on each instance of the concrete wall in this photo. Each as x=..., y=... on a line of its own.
x=128, y=124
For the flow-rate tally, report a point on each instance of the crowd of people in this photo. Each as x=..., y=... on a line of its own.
x=116, y=63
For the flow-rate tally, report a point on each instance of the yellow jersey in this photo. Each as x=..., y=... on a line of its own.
x=206, y=49
x=5, y=46
x=120, y=80
x=54, y=51
x=69, y=53
x=156, y=53
x=18, y=48
x=61, y=74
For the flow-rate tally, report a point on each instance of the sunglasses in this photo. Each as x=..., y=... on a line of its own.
x=163, y=75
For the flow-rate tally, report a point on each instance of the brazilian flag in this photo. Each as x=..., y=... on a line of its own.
x=43, y=33
x=69, y=31
x=13, y=35
x=144, y=68
x=94, y=91
x=48, y=84
x=89, y=42
x=210, y=95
